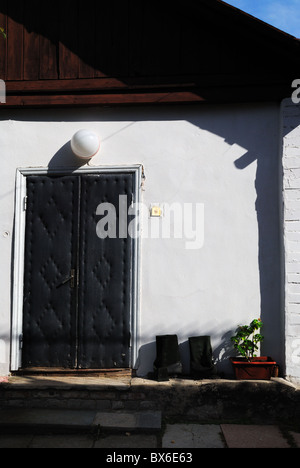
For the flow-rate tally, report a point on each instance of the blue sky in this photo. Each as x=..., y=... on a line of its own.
x=283, y=14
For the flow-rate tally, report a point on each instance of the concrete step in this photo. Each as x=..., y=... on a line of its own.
x=24, y=420
x=261, y=402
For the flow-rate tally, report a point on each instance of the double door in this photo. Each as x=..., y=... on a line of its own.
x=77, y=284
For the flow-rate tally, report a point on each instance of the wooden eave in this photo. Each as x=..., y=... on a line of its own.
x=113, y=91
x=48, y=66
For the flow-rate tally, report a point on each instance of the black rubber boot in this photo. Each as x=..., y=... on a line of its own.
x=167, y=360
x=201, y=358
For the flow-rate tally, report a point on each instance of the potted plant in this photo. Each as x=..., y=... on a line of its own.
x=249, y=366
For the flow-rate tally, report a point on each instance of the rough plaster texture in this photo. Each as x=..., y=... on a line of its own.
x=291, y=198
x=224, y=157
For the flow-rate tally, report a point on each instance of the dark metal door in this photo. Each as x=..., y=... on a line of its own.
x=77, y=286
x=105, y=276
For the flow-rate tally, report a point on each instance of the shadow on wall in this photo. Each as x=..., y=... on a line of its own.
x=221, y=353
x=267, y=186
x=261, y=147
x=65, y=157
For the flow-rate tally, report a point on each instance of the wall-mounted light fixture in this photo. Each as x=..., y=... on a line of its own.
x=85, y=144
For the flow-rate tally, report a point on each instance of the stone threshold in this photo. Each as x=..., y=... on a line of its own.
x=127, y=381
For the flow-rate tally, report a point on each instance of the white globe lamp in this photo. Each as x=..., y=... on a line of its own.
x=85, y=144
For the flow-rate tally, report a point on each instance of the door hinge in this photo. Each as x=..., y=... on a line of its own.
x=25, y=203
x=21, y=341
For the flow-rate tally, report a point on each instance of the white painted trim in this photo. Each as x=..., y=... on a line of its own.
x=136, y=302
x=19, y=250
x=18, y=272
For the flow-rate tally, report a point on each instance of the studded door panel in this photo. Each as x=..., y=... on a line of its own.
x=49, y=322
x=105, y=276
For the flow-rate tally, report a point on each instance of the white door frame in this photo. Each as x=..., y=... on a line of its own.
x=19, y=251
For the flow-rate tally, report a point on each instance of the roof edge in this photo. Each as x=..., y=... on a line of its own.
x=247, y=16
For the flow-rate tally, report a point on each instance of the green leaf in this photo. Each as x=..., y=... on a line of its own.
x=245, y=340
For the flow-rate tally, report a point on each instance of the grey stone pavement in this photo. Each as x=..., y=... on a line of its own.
x=94, y=429
x=83, y=428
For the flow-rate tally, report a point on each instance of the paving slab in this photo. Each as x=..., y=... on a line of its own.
x=62, y=441
x=127, y=441
x=20, y=417
x=14, y=419
x=15, y=441
x=193, y=436
x=129, y=421
x=253, y=436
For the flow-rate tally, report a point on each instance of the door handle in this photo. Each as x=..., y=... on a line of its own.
x=70, y=278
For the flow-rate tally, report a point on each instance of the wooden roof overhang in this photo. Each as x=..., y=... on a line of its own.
x=128, y=52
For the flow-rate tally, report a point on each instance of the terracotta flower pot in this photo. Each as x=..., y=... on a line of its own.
x=259, y=368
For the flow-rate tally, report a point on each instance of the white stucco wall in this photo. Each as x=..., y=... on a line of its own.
x=291, y=197
x=223, y=157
